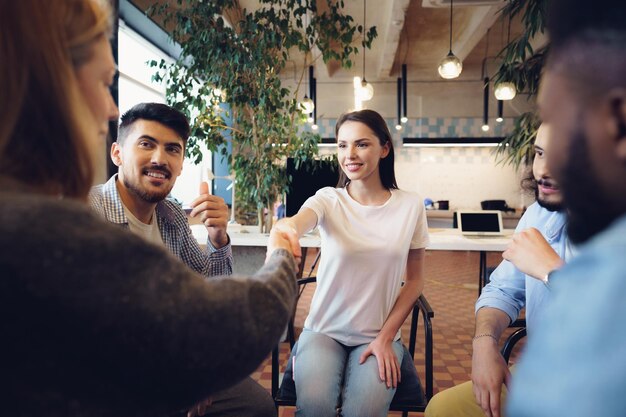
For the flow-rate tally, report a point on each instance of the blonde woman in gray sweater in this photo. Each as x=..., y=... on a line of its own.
x=94, y=321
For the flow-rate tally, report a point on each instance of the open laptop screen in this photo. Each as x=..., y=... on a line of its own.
x=485, y=222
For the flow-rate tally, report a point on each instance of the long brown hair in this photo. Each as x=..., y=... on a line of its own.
x=43, y=122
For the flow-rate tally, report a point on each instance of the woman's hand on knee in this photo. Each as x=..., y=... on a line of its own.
x=388, y=366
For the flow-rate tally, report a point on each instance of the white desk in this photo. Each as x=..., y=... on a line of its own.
x=440, y=239
x=452, y=239
x=249, y=246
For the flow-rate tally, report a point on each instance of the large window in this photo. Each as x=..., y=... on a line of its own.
x=136, y=86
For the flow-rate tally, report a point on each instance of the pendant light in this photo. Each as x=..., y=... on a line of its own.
x=366, y=91
x=404, y=117
x=399, y=98
x=309, y=101
x=307, y=104
x=505, y=90
x=485, y=126
x=500, y=117
x=451, y=66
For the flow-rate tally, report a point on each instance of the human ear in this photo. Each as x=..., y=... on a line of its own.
x=385, y=150
x=618, y=124
x=116, y=150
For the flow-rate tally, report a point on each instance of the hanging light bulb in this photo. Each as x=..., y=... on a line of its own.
x=500, y=117
x=366, y=92
x=450, y=66
x=306, y=105
x=505, y=91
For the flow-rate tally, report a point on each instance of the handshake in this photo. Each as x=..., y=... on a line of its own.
x=284, y=235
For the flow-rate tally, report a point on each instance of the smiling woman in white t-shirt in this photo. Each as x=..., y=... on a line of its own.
x=373, y=238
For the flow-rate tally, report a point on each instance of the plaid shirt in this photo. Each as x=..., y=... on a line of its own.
x=174, y=228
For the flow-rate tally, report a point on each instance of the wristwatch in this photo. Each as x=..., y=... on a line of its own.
x=548, y=277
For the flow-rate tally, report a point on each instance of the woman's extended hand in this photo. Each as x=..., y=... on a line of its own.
x=284, y=237
x=388, y=366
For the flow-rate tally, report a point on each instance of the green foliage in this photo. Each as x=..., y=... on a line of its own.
x=522, y=65
x=240, y=64
x=522, y=142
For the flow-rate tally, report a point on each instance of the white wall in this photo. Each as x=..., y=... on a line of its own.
x=463, y=175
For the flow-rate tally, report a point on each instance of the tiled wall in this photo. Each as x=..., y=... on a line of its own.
x=463, y=175
x=433, y=127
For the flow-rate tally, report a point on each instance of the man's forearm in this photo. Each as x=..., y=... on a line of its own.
x=491, y=321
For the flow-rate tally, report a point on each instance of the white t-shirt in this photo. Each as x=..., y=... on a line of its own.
x=150, y=232
x=364, y=255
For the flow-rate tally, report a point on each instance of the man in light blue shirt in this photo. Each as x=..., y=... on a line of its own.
x=539, y=246
x=575, y=364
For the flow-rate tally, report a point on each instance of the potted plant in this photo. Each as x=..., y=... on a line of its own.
x=522, y=66
x=232, y=68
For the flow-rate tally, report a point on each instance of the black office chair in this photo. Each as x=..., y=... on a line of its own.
x=520, y=322
x=410, y=396
x=512, y=340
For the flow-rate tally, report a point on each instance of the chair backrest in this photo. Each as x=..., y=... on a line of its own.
x=511, y=341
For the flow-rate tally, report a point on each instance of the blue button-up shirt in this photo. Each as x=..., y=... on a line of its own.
x=174, y=227
x=509, y=289
x=575, y=364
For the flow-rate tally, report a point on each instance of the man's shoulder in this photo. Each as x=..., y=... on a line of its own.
x=96, y=198
x=171, y=211
x=541, y=218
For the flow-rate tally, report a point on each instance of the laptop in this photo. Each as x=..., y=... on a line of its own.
x=476, y=223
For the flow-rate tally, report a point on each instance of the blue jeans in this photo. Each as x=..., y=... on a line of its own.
x=330, y=381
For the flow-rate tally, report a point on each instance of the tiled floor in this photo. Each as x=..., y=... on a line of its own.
x=451, y=289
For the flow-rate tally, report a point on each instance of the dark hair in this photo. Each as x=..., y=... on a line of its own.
x=528, y=183
x=569, y=20
x=377, y=124
x=156, y=112
x=583, y=36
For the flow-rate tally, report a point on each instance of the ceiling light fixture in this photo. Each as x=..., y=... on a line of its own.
x=505, y=90
x=500, y=119
x=399, y=99
x=485, y=126
x=307, y=104
x=404, y=117
x=366, y=91
x=451, y=66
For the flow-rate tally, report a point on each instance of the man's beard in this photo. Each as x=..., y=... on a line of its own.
x=148, y=197
x=550, y=206
x=588, y=210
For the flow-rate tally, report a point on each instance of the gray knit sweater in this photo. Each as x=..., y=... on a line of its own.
x=96, y=322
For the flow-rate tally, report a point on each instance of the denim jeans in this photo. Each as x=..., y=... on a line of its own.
x=330, y=381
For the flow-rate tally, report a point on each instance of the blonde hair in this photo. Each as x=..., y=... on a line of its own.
x=43, y=122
